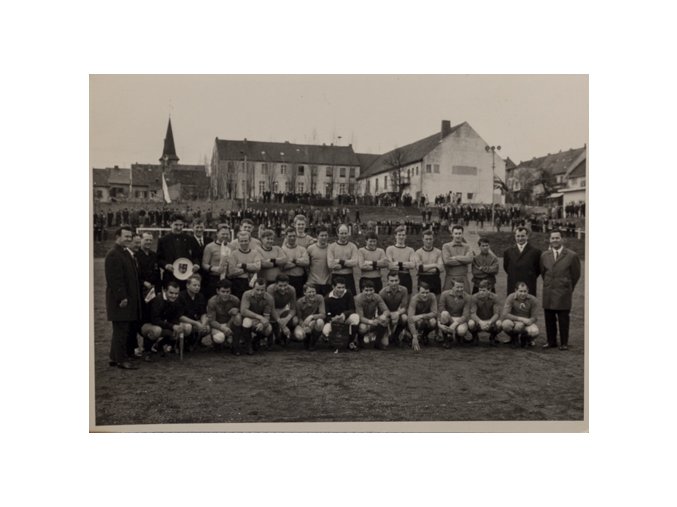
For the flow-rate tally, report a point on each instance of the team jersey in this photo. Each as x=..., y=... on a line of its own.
x=305, y=241
x=342, y=252
x=306, y=307
x=420, y=306
x=366, y=306
x=319, y=273
x=401, y=254
x=456, y=306
x=365, y=255
x=283, y=299
x=395, y=299
x=527, y=308
x=297, y=254
x=458, y=266
x=237, y=258
x=485, y=307
x=275, y=252
x=433, y=256
x=260, y=305
x=219, y=311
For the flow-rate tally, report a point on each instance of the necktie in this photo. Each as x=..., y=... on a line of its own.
x=555, y=254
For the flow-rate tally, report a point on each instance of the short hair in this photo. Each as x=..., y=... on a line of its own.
x=401, y=228
x=321, y=229
x=558, y=231
x=260, y=281
x=483, y=241
x=244, y=232
x=267, y=234
x=342, y=225
x=282, y=278
x=174, y=284
x=307, y=286
x=454, y=227
x=119, y=230
x=521, y=228
x=424, y=285
x=484, y=284
x=520, y=284
x=220, y=227
x=299, y=218
x=371, y=235
x=195, y=276
x=456, y=282
x=224, y=284
x=368, y=284
x=393, y=273
x=197, y=221
x=428, y=232
x=177, y=217
x=338, y=280
x=290, y=230
x=147, y=233
x=247, y=221
x=136, y=235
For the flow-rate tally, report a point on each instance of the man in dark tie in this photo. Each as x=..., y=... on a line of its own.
x=123, y=298
x=561, y=270
x=522, y=262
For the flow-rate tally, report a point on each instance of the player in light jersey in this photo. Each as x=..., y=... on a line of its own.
x=396, y=298
x=319, y=274
x=272, y=257
x=402, y=257
x=518, y=319
x=247, y=226
x=244, y=263
x=485, y=311
x=454, y=311
x=302, y=239
x=284, y=310
x=297, y=261
x=422, y=315
x=310, y=312
x=374, y=316
x=342, y=258
x=457, y=257
x=371, y=260
x=430, y=265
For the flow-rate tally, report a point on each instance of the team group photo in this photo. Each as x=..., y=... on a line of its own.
x=330, y=278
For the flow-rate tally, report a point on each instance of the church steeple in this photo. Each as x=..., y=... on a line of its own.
x=169, y=151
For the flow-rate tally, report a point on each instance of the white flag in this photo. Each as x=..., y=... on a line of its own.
x=165, y=190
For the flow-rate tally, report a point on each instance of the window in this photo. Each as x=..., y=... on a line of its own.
x=330, y=172
x=470, y=196
x=352, y=172
x=464, y=170
x=262, y=187
x=301, y=171
x=342, y=172
x=428, y=168
x=99, y=194
x=313, y=188
x=264, y=168
x=368, y=186
x=436, y=168
x=582, y=182
x=327, y=189
x=299, y=187
x=416, y=170
x=275, y=186
x=517, y=185
x=313, y=171
x=342, y=188
x=376, y=185
x=283, y=169
x=385, y=182
x=409, y=173
x=287, y=186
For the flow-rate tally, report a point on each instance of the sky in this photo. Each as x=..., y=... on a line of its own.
x=527, y=115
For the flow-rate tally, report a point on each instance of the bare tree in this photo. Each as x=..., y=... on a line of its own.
x=395, y=160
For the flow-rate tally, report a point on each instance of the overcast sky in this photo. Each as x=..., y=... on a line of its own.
x=526, y=115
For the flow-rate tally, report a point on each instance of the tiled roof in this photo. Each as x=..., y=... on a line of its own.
x=260, y=151
x=410, y=153
x=579, y=170
x=99, y=177
x=366, y=159
x=555, y=163
x=118, y=176
x=168, y=150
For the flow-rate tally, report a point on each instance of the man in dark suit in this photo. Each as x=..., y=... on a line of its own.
x=174, y=245
x=561, y=270
x=522, y=262
x=123, y=298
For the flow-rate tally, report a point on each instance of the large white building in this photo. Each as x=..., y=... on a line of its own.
x=454, y=160
x=325, y=170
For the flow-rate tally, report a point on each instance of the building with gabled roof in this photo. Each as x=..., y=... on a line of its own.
x=282, y=167
x=452, y=162
x=576, y=179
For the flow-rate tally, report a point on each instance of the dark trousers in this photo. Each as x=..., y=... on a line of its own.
x=551, y=319
x=405, y=281
x=297, y=282
x=323, y=290
x=239, y=286
x=123, y=332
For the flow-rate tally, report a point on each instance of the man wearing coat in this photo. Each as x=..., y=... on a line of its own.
x=522, y=262
x=123, y=298
x=561, y=270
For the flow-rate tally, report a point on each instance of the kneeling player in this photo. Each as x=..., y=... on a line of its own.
x=519, y=316
x=223, y=315
x=484, y=313
x=165, y=327
x=310, y=313
x=284, y=309
x=454, y=314
x=194, y=311
x=374, y=316
x=396, y=298
x=422, y=315
x=341, y=316
x=256, y=309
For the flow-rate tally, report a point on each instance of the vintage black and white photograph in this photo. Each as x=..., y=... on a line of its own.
x=338, y=249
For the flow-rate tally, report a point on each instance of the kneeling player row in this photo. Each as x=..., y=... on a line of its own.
x=273, y=315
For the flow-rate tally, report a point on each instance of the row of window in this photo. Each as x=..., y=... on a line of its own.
x=300, y=170
x=300, y=187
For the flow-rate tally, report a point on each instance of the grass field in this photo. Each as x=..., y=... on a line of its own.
x=291, y=385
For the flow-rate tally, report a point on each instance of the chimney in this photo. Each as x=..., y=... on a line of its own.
x=446, y=129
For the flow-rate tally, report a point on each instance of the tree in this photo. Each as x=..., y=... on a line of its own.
x=395, y=160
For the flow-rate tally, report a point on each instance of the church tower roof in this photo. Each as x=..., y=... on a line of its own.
x=169, y=151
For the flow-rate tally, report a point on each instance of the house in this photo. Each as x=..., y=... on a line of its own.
x=575, y=177
x=541, y=178
x=453, y=161
x=282, y=167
